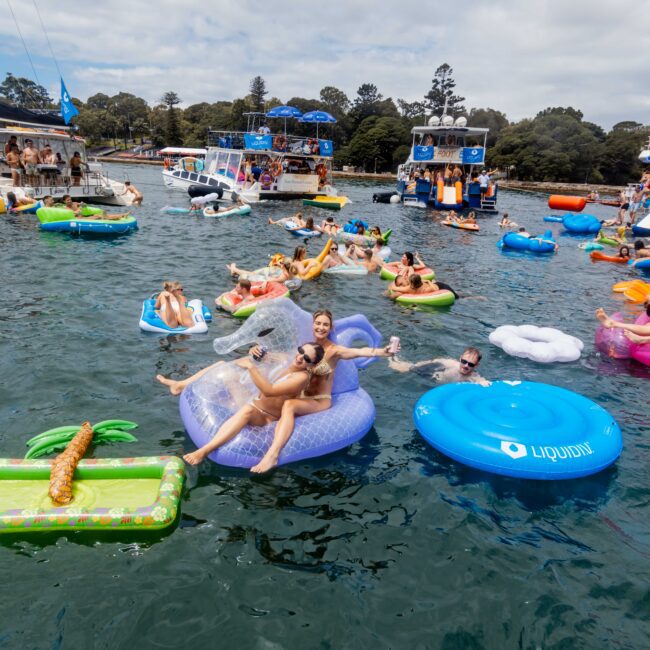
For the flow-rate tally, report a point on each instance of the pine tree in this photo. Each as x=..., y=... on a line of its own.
x=257, y=93
x=442, y=89
x=172, y=129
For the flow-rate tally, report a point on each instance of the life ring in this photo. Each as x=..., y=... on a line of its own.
x=279, y=143
x=166, y=163
x=321, y=170
x=276, y=168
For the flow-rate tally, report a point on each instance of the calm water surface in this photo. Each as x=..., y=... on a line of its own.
x=386, y=544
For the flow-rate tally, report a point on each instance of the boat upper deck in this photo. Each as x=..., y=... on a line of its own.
x=275, y=143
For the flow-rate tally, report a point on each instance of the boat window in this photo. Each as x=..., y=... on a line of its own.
x=203, y=179
x=184, y=174
x=176, y=173
x=193, y=176
x=213, y=181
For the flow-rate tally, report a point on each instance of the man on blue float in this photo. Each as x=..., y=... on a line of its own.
x=450, y=370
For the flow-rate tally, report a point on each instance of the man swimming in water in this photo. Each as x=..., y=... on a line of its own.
x=450, y=370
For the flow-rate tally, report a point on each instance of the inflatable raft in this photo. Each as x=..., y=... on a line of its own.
x=327, y=202
x=150, y=320
x=474, y=227
x=209, y=401
x=538, y=244
x=521, y=429
x=442, y=298
x=262, y=292
x=114, y=494
x=237, y=210
x=389, y=272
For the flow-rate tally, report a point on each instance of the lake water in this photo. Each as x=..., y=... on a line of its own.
x=386, y=544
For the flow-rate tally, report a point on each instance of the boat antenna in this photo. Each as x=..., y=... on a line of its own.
x=24, y=45
x=47, y=38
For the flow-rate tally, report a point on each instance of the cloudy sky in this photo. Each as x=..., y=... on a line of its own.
x=517, y=57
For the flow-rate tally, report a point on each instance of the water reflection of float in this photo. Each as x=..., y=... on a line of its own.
x=280, y=326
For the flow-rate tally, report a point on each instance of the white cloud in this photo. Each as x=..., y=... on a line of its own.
x=515, y=57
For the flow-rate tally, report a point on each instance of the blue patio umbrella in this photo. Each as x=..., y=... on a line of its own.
x=284, y=112
x=318, y=117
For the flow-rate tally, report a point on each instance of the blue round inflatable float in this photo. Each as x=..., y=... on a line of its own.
x=537, y=244
x=582, y=224
x=521, y=429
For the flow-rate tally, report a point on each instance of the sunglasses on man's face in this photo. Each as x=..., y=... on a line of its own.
x=301, y=350
x=465, y=362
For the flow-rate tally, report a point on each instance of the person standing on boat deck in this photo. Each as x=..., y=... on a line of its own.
x=447, y=175
x=484, y=182
x=13, y=140
x=76, y=172
x=13, y=160
x=132, y=189
x=30, y=162
x=456, y=175
x=264, y=130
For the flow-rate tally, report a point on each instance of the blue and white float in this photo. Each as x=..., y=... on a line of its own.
x=521, y=429
x=581, y=224
x=150, y=320
x=280, y=326
x=292, y=227
x=538, y=244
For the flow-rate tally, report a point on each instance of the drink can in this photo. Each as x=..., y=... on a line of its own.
x=262, y=354
x=393, y=345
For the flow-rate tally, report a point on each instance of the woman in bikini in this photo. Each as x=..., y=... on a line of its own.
x=170, y=305
x=318, y=395
x=267, y=406
x=406, y=268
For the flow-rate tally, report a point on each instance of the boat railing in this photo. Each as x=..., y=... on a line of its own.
x=55, y=179
x=276, y=142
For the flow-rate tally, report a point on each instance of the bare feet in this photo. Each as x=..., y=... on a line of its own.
x=604, y=318
x=195, y=457
x=269, y=461
x=175, y=387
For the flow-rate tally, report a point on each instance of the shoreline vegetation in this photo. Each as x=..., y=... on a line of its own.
x=372, y=133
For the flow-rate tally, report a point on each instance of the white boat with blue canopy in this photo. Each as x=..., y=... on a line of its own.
x=444, y=164
x=257, y=166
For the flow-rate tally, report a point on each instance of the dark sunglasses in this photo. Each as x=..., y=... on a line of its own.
x=334, y=248
x=465, y=362
x=301, y=350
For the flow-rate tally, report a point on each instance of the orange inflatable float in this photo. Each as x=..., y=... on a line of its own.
x=570, y=203
x=598, y=256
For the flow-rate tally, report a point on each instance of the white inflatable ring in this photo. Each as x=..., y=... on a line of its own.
x=541, y=344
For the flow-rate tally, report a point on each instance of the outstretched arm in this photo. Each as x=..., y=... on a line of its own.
x=355, y=353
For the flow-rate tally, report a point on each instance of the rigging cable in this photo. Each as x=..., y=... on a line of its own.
x=24, y=44
x=47, y=38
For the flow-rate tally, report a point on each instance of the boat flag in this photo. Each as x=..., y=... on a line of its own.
x=68, y=109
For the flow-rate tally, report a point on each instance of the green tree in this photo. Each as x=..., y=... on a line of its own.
x=127, y=109
x=335, y=101
x=200, y=118
x=554, y=146
x=491, y=119
x=173, y=135
x=99, y=101
x=411, y=110
x=442, y=90
x=619, y=162
x=24, y=93
x=374, y=143
x=258, y=92
x=238, y=121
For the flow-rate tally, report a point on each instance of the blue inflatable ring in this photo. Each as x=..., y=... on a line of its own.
x=520, y=429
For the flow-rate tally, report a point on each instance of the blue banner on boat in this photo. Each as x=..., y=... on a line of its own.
x=68, y=109
x=326, y=147
x=255, y=141
x=473, y=155
x=422, y=153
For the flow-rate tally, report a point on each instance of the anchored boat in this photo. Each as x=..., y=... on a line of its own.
x=445, y=166
x=257, y=166
x=53, y=175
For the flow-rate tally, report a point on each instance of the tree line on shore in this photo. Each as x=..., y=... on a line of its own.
x=372, y=132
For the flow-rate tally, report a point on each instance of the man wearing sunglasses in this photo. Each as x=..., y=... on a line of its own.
x=448, y=371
